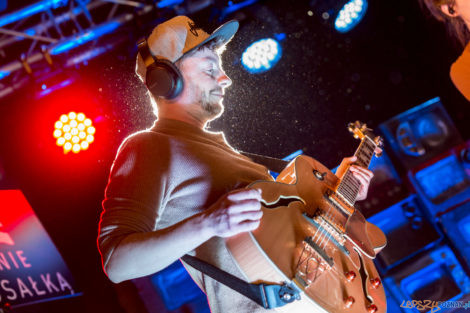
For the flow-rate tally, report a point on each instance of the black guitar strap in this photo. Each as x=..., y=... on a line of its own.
x=266, y=295
x=273, y=164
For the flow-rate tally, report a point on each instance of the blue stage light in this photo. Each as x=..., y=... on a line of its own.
x=350, y=15
x=261, y=55
x=4, y=74
x=85, y=37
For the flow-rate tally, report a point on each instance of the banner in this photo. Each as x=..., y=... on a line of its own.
x=31, y=268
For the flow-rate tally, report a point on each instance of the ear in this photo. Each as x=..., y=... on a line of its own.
x=449, y=11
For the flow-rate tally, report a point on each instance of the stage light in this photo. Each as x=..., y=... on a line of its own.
x=80, y=117
x=72, y=135
x=261, y=55
x=343, y=15
x=350, y=15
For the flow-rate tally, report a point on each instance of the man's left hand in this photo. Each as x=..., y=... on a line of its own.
x=363, y=175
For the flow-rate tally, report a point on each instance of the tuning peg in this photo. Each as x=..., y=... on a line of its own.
x=378, y=152
x=379, y=141
x=351, y=127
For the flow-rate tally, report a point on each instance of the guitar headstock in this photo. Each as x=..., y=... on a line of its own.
x=360, y=131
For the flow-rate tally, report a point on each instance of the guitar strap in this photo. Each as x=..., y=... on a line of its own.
x=268, y=296
x=273, y=164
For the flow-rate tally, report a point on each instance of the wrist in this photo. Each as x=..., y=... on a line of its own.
x=205, y=227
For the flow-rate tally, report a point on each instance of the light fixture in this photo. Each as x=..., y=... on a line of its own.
x=261, y=55
x=343, y=15
x=74, y=132
x=350, y=15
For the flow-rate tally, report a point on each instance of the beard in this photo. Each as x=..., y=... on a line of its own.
x=211, y=104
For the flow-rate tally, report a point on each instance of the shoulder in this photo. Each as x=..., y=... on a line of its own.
x=143, y=140
x=460, y=72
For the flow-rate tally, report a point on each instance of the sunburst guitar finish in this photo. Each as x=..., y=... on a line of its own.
x=311, y=236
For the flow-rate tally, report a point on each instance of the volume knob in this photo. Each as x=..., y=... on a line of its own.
x=372, y=308
x=349, y=302
x=350, y=276
x=375, y=283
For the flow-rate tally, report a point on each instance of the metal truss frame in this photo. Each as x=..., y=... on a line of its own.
x=32, y=38
x=49, y=36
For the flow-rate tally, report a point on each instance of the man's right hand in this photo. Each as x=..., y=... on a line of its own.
x=236, y=212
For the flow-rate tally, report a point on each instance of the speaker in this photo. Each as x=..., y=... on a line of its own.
x=420, y=133
x=404, y=222
x=177, y=289
x=435, y=276
x=443, y=182
x=456, y=226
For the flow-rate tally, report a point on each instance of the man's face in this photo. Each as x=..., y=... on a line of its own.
x=204, y=84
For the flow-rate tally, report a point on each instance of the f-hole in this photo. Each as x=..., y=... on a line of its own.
x=281, y=201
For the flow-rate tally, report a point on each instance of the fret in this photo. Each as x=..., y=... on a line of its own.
x=349, y=186
x=352, y=182
x=348, y=194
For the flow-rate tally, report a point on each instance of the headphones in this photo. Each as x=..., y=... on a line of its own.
x=162, y=78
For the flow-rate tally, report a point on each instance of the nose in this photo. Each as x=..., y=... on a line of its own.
x=223, y=80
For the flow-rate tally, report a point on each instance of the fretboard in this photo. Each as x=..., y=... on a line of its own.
x=349, y=185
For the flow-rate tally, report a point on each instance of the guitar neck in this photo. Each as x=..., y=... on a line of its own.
x=349, y=186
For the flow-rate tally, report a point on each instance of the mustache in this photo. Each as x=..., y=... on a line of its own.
x=219, y=91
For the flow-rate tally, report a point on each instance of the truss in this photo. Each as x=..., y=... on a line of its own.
x=52, y=35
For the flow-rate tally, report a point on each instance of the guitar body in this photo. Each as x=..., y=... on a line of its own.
x=305, y=240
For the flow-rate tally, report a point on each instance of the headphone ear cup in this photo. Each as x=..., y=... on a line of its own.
x=163, y=79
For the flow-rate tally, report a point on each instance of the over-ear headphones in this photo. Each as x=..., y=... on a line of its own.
x=162, y=78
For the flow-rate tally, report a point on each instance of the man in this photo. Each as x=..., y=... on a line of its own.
x=177, y=188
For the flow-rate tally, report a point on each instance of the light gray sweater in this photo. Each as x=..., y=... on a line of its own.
x=169, y=173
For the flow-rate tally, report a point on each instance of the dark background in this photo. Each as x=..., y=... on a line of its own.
x=395, y=59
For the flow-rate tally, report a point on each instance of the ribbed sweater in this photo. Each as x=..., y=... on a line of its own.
x=166, y=174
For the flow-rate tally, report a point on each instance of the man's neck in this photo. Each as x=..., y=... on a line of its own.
x=179, y=114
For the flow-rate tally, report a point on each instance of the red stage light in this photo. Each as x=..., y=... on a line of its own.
x=74, y=132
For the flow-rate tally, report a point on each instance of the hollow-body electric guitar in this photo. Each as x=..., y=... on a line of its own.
x=313, y=239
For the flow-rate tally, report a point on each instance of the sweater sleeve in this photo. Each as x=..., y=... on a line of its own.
x=136, y=193
x=460, y=72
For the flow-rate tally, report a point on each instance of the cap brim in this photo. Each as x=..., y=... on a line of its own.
x=225, y=31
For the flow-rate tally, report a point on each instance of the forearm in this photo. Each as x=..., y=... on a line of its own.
x=141, y=254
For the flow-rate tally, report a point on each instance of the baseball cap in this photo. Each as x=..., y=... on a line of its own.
x=179, y=35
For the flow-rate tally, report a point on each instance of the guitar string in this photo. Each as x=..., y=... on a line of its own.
x=329, y=232
x=324, y=230
x=350, y=186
